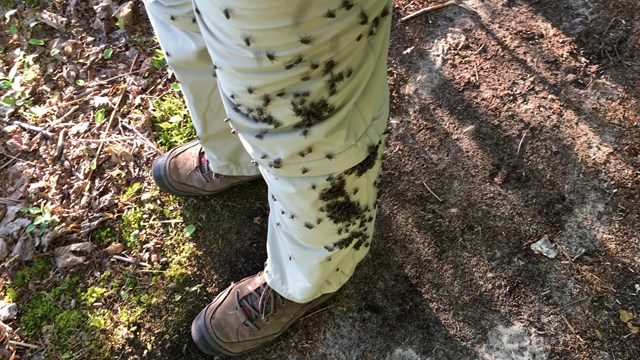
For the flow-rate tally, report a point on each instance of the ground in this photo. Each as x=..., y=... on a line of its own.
x=512, y=122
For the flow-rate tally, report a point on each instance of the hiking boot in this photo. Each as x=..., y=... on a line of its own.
x=245, y=316
x=185, y=171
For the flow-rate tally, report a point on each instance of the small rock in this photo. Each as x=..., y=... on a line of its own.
x=545, y=247
x=8, y=311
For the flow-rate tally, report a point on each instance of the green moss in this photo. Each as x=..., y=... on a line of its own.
x=103, y=236
x=69, y=322
x=38, y=270
x=130, y=225
x=94, y=294
x=131, y=191
x=10, y=295
x=40, y=310
x=172, y=122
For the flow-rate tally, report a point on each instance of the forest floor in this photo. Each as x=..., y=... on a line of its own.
x=511, y=121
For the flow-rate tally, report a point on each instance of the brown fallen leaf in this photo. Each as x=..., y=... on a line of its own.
x=626, y=316
x=114, y=249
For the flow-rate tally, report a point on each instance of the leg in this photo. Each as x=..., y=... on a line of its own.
x=186, y=53
x=305, y=89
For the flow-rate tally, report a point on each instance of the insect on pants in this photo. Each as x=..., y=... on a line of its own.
x=299, y=87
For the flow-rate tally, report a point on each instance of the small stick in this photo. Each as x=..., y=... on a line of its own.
x=432, y=193
x=19, y=343
x=521, y=140
x=17, y=158
x=26, y=126
x=68, y=113
x=143, y=138
x=569, y=304
x=130, y=261
x=105, y=140
x=60, y=145
x=113, y=115
x=579, y=254
x=478, y=51
x=437, y=7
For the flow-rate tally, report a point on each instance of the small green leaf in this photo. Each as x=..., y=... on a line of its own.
x=93, y=164
x=175, y=86
x=31, y=210
x=189, y=230
x=107, y=53
x=29, y=75
x=8, y=101
x=30, y=227
x=80, y=82
x=38, y=220
x=120, y=23
x=13, y=29
x=54, y=52
x=135, y=234
x=36, y=42
x=100, y=115
x=124, y=294
x=5, y=84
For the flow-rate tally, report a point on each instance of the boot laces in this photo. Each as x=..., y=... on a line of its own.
x=203, y=167
x=260, y=303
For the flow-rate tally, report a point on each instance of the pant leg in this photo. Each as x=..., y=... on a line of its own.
x=185, y=50
x=304, y=84
x=320, y=228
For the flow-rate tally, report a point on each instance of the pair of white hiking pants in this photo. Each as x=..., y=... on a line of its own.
x=299, y=89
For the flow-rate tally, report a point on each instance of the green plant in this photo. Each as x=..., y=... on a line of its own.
x=172, y=121
x=158, y=59
x=40, y=310
x=43, y=220
x=38, y=270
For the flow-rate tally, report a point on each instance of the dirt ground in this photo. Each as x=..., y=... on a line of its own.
x=514, y=122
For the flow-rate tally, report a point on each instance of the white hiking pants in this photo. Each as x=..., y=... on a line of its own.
x=302, y=87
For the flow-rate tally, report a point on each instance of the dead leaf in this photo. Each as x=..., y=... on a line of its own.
x=598, y=334
x=626, y=316
x=114, y=248
x=65, y=256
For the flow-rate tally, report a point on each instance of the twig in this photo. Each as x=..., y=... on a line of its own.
x=8, y=201
x=317, y=311
x=26, y=126
x=521, y=140
x=432, y=193
x=116, y=77
x=567, y=305
x=7, y=164
x=60, y=145
x=478, y=51
x=143, y=138
x=130, y=261
x=68, y=113
x=437, y=7
x=19, y=343
x=105, y=140
x=104, y=135
x=17, y=158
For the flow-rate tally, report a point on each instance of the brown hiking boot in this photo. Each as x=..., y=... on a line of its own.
x=245, y=316
x=185, y=171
